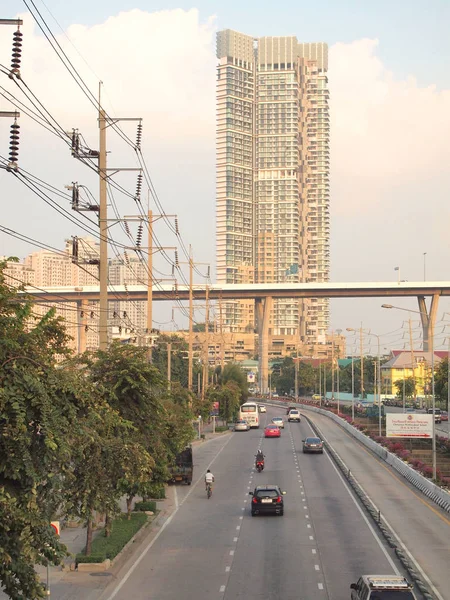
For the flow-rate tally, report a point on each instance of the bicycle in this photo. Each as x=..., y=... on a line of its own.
x=208, y=490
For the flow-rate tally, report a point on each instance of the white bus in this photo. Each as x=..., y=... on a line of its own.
x=249, y=412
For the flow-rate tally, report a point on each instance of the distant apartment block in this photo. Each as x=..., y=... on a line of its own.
x=272, y=190
x=46, y=268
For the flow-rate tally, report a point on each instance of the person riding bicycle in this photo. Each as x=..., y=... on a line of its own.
x=209, y=478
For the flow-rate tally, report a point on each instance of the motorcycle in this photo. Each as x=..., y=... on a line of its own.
x=259, y=465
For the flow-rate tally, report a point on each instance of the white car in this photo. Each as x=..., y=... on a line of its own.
x=278, y=421
x=262, y=408
x=294, y=415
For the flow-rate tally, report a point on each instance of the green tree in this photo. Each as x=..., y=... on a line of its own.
x=441, y=382
x=36, y=412
x=229, y=398
x=234, y=372
x=406, y=384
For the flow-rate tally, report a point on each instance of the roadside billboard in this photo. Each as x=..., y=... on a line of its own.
x=409, y=425
x=214, y=410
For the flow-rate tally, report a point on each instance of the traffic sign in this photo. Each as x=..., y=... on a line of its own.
x=55, y=526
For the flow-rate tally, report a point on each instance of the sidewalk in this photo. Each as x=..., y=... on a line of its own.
x=74, y=538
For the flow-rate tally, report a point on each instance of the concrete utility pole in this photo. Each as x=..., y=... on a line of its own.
x=150, y=218
x=332, y=365
x=413, y=366
x=206, y=348
x=361, y=349
x=103, y=223
x=191, y=317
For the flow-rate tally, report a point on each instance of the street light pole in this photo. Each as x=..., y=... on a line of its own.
x=433, y=399
x=353, y=385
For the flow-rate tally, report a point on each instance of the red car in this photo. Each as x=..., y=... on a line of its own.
x=444, y=416
x=272, y=431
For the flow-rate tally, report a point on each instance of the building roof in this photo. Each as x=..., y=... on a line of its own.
x=402, y=359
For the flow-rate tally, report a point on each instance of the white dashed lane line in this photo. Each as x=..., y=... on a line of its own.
x=320, y=586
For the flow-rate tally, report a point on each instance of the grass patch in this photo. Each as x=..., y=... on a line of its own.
x=121, y=533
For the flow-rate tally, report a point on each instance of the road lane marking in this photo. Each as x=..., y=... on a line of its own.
x=313, y=550
x=238, y=527
x=317, y=568
x=308, y=526
x=241, y=517
x=311, y=537
x=235, y=539
x=176, y=497
x=163, y=527
x=305, y=507
x=320, y=586
x=227, y=569
x=222, y=588
x=231, y=552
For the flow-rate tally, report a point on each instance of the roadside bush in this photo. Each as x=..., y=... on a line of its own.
x=122, y=531
x=157, y=491
x=427, y=471
x=221, y=428
x=143, y=506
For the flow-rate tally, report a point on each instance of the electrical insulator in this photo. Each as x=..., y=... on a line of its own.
x=75, y=142
x=75, y=196
x=115, y=315
x=208, y=272
x=127, y=228
x=177, y=231
x=13, y=147
x=92, y=314
x=120, y=329
x=127, y=260
x=137, y=196
x=16, y=53
x=173, y=270
x=74, y=249
x=139, y=235
x=139, y=135
x=81, y=314
x=86, y=328
x=177, y=264
x=125, y=314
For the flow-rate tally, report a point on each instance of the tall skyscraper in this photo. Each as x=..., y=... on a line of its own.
x=273, y=176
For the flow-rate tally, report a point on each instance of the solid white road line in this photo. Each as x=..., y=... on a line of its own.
x=164, y=525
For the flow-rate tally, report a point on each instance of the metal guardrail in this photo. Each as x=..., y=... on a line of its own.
x=427, y=487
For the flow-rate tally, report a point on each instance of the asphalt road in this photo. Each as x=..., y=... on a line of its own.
x=215, y=549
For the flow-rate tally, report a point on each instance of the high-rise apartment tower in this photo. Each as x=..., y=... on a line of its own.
x=273, y=176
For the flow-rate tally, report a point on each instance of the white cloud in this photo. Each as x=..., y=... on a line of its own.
x=385, y=132
x=389, y=144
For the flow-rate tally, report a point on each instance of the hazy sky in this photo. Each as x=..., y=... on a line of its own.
x=390, y=125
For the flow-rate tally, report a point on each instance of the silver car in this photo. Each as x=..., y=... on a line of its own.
x=241, y=425
x=278, y=421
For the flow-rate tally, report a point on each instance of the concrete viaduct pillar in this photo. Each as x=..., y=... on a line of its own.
x=263, y=309
x=428, y=320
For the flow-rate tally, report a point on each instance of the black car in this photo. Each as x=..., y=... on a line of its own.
x=313, y=444
x=267, y=499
